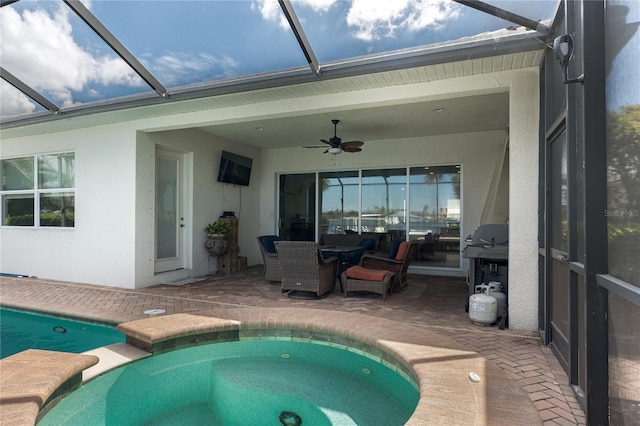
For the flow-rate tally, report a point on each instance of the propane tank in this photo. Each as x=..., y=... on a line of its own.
x=483, y=308
x=496, y=291
x=481, y=288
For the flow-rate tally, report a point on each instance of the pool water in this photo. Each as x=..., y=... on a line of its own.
x=24, y=330
x=243, y=383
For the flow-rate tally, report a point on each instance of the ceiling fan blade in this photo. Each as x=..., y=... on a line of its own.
x=325, y=141
x=352, y=144
x=351, y=149
x=314, y=146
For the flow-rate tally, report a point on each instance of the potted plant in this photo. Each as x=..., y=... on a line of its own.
x=217, y=228
x=216, y=242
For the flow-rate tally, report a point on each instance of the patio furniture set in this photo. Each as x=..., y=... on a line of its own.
x=307, y=269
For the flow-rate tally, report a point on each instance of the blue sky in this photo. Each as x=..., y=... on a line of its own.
x=188, y=42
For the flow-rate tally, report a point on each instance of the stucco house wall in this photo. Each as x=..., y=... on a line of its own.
x=112, y=243
x=100, y=248
x=208, y=198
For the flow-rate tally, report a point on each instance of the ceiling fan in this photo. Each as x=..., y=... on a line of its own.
x=336, y=146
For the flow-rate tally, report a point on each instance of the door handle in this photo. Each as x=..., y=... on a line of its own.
x=182, y=225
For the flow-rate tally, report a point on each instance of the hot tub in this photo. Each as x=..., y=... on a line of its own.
x=249, y=382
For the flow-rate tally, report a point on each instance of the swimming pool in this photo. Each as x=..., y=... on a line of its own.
x=21, y=330
x=248, y=382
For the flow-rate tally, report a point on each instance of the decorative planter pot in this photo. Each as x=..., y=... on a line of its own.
x=216, y=245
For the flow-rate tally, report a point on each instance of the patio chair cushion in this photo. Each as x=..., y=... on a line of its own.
x=267, y=243
x=402, y=250
x=395, y=244
x=360, y=273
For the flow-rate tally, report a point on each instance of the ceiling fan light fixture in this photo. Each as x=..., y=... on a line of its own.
x=336, y=146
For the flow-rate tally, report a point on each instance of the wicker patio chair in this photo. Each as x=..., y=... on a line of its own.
x=398, y=263
x=270, y=260
x=305, y=269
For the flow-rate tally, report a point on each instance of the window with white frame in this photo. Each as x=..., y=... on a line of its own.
x=38, y=190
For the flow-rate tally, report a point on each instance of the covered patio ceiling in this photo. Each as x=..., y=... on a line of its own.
x=74, y=59
x=429, y=118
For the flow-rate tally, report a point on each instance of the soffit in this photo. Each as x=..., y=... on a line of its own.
x=350, y=84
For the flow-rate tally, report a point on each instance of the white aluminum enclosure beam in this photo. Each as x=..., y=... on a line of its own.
x=505, y=14
x=115, y=44
x=28, y=90
x=292, y=18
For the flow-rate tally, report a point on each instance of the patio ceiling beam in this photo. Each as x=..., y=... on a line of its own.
x=296, y=27
x=115, y=44
x=505, y=14
x=28, y=90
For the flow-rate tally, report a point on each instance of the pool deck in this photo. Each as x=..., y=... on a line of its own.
x=521, y=382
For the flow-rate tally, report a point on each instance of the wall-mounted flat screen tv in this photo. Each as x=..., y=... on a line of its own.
x=234, y=169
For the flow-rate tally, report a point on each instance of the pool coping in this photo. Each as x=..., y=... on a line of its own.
x=98, y=318
x=34, y=378
x=448, y=396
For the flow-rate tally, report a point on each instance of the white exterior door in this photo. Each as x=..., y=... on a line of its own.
x=170, y=225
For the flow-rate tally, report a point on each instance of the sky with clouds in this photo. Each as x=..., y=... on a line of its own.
x=182, y=43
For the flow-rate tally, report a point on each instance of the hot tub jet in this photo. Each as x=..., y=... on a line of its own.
x=289, y=418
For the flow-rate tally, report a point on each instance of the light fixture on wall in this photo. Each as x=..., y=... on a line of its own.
x=563, y=50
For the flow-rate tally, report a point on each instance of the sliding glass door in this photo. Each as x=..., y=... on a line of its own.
x=415, y=203
x=434, y=219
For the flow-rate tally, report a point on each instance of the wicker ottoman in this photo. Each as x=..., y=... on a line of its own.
x=357, y=278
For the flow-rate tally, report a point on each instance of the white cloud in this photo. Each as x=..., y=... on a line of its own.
x=375, y=19
x=378, y=19
x=317, y=5
x=176, y=67
x=38, y=48
x=13, y=102
x=271, y=11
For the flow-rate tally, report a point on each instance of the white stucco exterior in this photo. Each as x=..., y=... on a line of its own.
x=113, y=239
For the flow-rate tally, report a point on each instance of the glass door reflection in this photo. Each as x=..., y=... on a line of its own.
x=297, y=207
x=434, y=219
x=339, y=202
